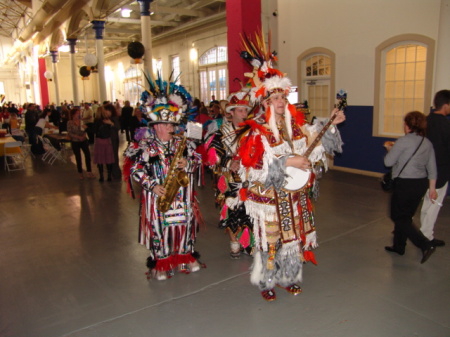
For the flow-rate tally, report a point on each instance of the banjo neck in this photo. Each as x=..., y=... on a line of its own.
x=319, y=136
x=341, y=106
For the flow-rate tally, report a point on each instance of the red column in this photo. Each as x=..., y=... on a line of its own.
x=243, y=16
x=43, y=83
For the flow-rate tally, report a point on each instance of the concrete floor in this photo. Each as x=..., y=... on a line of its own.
x=70, y=265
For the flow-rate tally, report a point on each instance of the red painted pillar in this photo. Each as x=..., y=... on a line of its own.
x=43, y=82
x=243, y=16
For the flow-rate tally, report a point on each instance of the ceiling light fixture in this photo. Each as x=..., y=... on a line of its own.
x=125, y=12
x=64, y=48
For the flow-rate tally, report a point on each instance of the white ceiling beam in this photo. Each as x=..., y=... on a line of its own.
x=138, y=22
x=203, y=3
x=181, y=11
x=110, y=30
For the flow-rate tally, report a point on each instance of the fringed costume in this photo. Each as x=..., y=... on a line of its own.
x=283, y=220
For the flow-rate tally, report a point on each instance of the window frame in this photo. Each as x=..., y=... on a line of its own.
x=204, y=69
x=302, y=76
x=380, y=62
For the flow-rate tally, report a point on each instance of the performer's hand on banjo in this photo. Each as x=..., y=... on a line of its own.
x=340, y=116
x=299, y=162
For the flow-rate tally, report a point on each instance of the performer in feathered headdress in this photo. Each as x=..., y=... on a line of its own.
x=274, y=150
x=169, y=214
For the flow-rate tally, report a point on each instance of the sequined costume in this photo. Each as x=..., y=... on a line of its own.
x=169, y=236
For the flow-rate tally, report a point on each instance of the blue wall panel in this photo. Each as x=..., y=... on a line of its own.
x=361, y=150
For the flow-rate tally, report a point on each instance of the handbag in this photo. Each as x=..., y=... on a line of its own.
x=387, y=183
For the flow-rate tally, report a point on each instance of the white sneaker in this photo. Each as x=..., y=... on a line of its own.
x=160, y=275
x=194, y=266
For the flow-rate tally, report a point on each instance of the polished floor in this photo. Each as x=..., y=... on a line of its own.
x=70, y=266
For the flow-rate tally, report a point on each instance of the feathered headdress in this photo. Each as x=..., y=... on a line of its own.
x=257, y=53
x=266, y=80
x=167, y=100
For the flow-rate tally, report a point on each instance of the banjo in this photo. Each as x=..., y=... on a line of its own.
x=297, y=178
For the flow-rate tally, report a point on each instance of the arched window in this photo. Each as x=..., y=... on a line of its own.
x=133, y=84
x=404, y=68
x=213, y=56
x=316, y=74
x=213, y=74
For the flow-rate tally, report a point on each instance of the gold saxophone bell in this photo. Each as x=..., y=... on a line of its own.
x=183, y=179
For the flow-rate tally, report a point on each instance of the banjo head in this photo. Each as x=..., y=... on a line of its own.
x=296, y=179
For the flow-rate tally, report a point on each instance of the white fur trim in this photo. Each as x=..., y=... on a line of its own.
x=288, y=119
x=273, y=123
x=232, y=202
x=311, y=240
x=256, y=275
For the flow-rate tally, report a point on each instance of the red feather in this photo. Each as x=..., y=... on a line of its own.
x=260, y=92
x=253, y=125
x=243, y=194
x=251, y=150
x=298, y=116
x=126, y=168
x=309, y=256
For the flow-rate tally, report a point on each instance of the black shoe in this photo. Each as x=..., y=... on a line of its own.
x=426, y=253
x=394, y=250
x=100, y=179
x=437, y=243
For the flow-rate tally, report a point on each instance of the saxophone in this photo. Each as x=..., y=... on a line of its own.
x=175, y=179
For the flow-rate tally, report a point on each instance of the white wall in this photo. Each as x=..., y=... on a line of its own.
x=9, y=75
x=352, y=29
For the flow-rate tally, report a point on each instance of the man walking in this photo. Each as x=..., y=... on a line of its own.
x=438, y=132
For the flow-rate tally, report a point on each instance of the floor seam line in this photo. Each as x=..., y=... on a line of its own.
x=153, y=305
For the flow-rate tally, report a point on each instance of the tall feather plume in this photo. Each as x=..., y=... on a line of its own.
x=153, y=89
x=255, y=48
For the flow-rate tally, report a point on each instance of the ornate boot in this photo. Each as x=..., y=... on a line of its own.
x=269, y=295
x=293, y=289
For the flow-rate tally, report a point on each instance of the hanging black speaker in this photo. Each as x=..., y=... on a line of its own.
x=136, y=50
x=84, y=71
